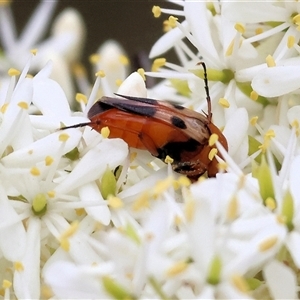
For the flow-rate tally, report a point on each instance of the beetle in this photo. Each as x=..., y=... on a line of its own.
x=163, y=128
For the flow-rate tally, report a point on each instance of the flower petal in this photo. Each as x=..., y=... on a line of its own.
x=167, y=41
x=134, y=85
x=100, y=212
x=281, y=280
x=37, y=151
x=70, y=281
x=13, y=237
x=108, y=153
x=241, y=11
x=235, y=135
x=293, y=245
x=36, y=27
x=277, y=81
x=197, y=17
x=27, y=281
x=50, y=98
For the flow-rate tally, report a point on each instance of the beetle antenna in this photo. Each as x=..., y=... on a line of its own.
x=76, y=125
x=209, y=113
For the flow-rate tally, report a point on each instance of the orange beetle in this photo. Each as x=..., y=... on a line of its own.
x=162, y=128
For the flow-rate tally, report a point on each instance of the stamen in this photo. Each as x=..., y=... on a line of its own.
x=81, y=98
x=268, y=244
x=156, y=11
x=13, y=72
x=224, y=103
x=158, y=63
x=270, y=61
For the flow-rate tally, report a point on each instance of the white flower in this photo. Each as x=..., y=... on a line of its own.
x=36, y=178
x=90, y=218
x=217, y=41
x=63, y=47
x=112, y=60
x=280, y=289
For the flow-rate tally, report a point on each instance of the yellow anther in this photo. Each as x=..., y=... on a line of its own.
x=232, y=210
x=23, y=105
x=51, y=194
x=156, y=11
x=132, y=156
x=46, y=292
x=281, y=219
x=162, y=186
x=18, y=266
x=291, y=41
x=169, y=160
x=270, y=133
x=295, y=124
x=141, y=71
x=124, y=60
x=4, y=108
x=65, y=244
x=81, y=98
x=268, y=244
x=49, y=160
x=259, y=30
x=184, y=181
x=253, y=120
x=240, y=283
x=224, y=103
x=239, y=27
x=177, y=220
x=70, y=231
x=100, y=73
x=253, y=96
x=6, y=284
x=177, y=268
x=13, y=72
x=212, y=139
x=230, y=47
x=115, y=202
x=267, y=138
x=63, y=137
x=80, y=212
x=173, y=21
x=141, y=202
x=34, y=51
x=166, y=26
x=158, y=63
x=270, y=61
x=94, y=58
x=119, y=82
x=212, y=153
x=189, y=210
x=35, y=171
x=105, y=132
x=296, y=19
x=270, y=203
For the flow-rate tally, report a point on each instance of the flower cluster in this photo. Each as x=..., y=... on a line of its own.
x=84, y=217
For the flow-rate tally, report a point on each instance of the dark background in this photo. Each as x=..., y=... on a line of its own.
x=131, y=23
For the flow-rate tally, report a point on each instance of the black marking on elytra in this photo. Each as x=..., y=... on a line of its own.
x=139, y=99
x=178, y=122
x=148, y=111
x=177, y=106
x=175, y=149
x=98, y=108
